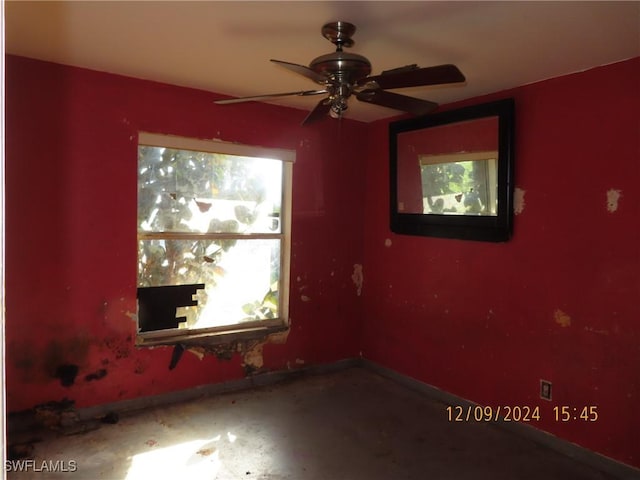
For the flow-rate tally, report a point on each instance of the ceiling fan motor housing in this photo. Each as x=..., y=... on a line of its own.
x=342, y=66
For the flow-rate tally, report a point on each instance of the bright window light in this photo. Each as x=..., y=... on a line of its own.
x=214, y=217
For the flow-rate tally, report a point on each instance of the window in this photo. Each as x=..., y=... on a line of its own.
x=213, y=238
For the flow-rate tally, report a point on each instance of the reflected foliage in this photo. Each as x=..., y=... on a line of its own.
x=456, y=187
x=443, y=178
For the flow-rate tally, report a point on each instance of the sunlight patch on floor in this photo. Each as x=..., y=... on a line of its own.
x=196, y=459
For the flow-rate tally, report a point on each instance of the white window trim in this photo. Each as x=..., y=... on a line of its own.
x=431, y=159
x=218, y=146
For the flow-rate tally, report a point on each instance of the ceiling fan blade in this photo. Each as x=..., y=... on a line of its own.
x=303, y=93
x=412, y=76
x=319, y=112
x=396, y=101
x=302, y=70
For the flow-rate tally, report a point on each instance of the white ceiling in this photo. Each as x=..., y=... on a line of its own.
x=225, y=47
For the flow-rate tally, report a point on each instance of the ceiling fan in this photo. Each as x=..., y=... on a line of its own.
x=342, y=74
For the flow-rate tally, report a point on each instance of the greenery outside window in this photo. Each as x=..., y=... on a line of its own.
x=214, y=232
x=460, y=183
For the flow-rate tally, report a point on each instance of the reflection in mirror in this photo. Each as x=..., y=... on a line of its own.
x=459, y=184
x=450, y=168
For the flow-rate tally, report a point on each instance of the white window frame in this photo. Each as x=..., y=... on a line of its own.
x=216, y=146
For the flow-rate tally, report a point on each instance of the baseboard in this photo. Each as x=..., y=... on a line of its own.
x=26, y=421
x=605, y=464
x=256, y=380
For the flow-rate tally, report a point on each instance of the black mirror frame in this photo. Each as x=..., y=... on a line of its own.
x=467, y=227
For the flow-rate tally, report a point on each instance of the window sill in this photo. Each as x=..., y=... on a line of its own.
x=194, y=338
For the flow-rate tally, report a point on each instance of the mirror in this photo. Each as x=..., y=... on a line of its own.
x=452, y=173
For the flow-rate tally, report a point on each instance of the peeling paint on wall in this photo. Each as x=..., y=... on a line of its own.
x=253, y=359
x=305, y=298
x=199, y=352
x=518, y=200
x=358, y=277
x=613, y=196
x=562, y=318
x=387, y=242
x=599, y=332
x=279, y=338
x=250, y=350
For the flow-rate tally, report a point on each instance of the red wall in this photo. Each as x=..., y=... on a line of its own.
x=487, y=321
x=71, y=179
x=481, y=320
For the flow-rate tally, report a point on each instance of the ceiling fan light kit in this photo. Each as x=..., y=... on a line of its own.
x=343, y=74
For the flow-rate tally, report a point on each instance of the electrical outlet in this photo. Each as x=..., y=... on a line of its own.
x=545, y=389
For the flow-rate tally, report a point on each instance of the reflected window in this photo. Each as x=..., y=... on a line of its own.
x=459, y=184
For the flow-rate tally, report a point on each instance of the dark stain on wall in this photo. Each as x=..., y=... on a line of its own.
x=23, y=359
x=120, y=348
x=71, y=351
x=139, y=367
x=53, y=363
x=67, y=374
x=97, y=375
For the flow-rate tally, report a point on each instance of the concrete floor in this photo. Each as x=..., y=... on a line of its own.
x=349, y=425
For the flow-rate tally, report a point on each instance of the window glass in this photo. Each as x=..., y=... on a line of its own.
x=187, y=191
x=241, y=277
x=210, y=230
